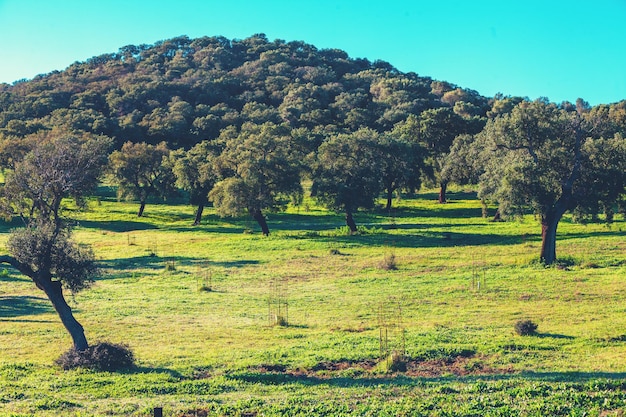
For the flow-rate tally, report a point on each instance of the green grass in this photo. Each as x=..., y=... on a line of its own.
x=460, y=285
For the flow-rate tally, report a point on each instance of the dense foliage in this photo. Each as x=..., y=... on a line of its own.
x=245, y=121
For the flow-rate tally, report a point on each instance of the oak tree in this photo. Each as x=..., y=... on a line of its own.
x=545, y=160
x=59, y=167
x=261, y=170
x=141, y=171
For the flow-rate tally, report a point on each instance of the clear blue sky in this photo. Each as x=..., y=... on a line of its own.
x=557, y=49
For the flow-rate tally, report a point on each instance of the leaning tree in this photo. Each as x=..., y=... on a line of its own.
x=58, y=167
x=544, y=158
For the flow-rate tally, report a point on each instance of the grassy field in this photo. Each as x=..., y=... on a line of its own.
x=199, y=305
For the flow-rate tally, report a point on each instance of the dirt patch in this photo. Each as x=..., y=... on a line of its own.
x=343, y=365
x=194, y=413
x=424, y=368
x=271, y=368
x=459, y=366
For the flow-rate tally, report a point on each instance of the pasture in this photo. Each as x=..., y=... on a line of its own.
x=311, y=320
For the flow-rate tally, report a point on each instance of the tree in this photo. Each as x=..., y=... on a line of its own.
x=347, y=175
x=544, y=160
x=401, y=162
x=59, y=167
x=140, y=171
x=195, y=173
x=261, y=170
x=438, y=128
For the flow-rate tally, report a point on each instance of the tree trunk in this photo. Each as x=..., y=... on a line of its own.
x=442, y=192
x=142, y=206
x=497, y=217
x=260, y=219
x=549, y=224
x=350, y=221
x=389, y=198
x=199, y=214
x=483, y=206
x=54, y=292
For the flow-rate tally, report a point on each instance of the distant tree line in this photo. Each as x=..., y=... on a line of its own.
x=242, y=123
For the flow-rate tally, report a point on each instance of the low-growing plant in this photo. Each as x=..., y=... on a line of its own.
x=103, y=356
x=389, y=262
x=170, y=266
x=525, y=328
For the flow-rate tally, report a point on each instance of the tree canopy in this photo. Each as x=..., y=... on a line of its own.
x=546, y=159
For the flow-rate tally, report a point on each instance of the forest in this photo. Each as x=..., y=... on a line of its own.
x=241, y=123
x=253, y=127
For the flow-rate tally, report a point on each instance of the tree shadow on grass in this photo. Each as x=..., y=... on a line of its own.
x=117, y=225
x=612, y=380
x=7, y=275
x=554, y=336
x=16, y=306
x=154, y=262
x=426, y=239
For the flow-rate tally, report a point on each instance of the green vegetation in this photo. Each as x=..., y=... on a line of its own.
x=447, y=310
x=424, y=308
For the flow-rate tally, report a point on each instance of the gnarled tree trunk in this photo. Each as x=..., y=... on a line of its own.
x=260, y=219
x=142, y=206
x=389, y=198
x=549, y=224
x=54, y=291
x=442, y=192
x=199, y=211
x=350, y=221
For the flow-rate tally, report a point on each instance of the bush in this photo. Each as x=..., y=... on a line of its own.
x=389, y=263
x=102, y=356
x=525, y=328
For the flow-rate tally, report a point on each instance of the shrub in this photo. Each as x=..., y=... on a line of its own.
x=103, y=356
x=389, y=263
x=525, y=328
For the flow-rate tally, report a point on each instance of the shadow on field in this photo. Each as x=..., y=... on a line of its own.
x=608, y=380
x=554, y=336
x=8, y=274
x=23, y=306
x=6, y=227
x=425, y=239
x=117, y=225
x=153, y=262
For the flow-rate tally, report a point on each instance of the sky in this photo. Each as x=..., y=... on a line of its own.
x=557, y=49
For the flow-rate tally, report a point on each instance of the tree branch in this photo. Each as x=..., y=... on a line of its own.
x=22, y=267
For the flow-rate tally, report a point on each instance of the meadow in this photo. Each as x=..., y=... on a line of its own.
x=312, y=320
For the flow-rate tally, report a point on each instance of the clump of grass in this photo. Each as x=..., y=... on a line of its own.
x=389, y=262
x=170, y=266
x=396, y=361
x=103, y=356
x=525, y=328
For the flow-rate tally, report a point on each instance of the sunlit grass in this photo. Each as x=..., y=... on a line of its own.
x=461, y=282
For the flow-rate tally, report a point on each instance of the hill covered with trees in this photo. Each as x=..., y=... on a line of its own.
x=249, y=119
x=183, y=91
